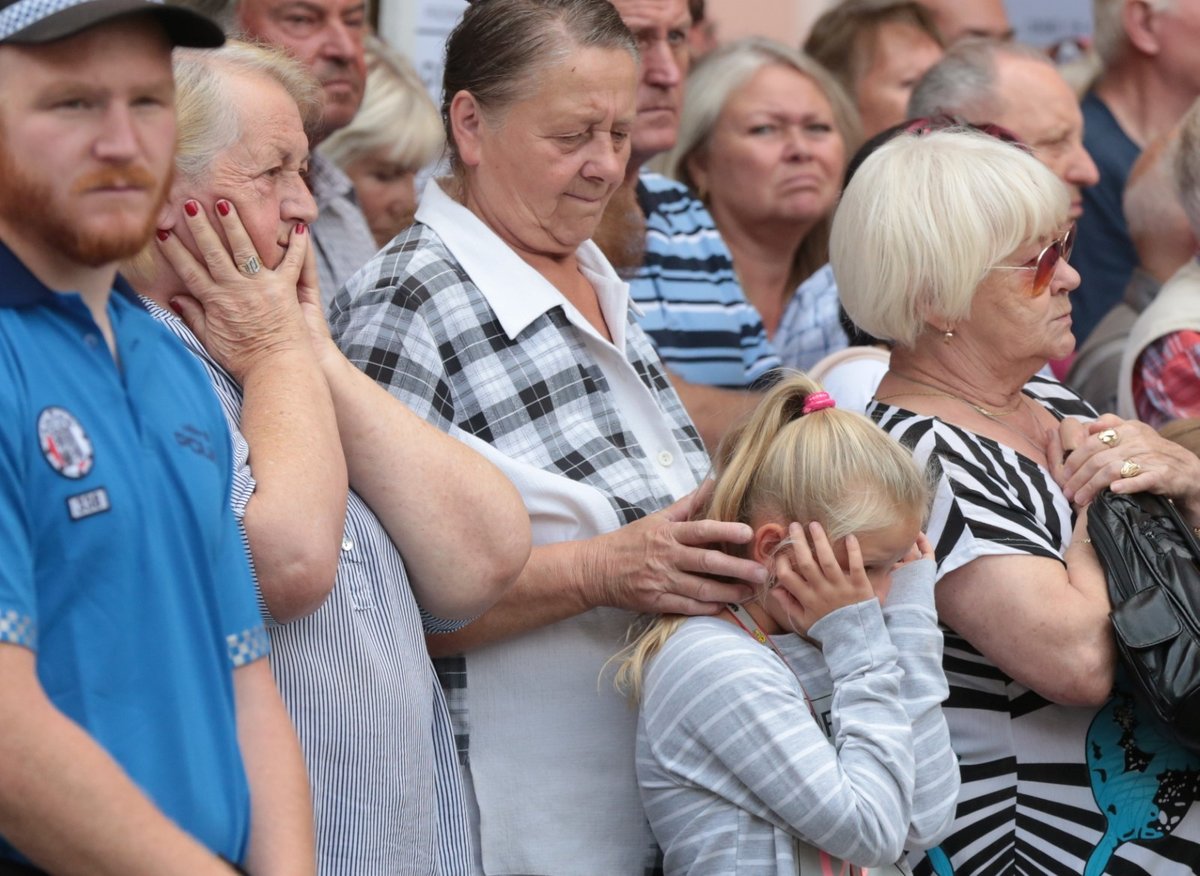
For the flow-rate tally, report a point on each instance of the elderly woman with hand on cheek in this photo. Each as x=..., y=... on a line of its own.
x=232, y=256
x=498, y=320
x=954, y=245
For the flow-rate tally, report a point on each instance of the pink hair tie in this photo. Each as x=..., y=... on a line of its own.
x=817, y=401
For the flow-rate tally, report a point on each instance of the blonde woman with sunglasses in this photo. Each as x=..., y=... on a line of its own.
x=955, y=246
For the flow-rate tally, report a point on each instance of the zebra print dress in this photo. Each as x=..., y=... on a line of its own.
x=1045, y=788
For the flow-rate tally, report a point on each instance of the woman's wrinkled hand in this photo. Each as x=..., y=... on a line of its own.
x=1126, y=455
x=240, y=315
x=810, y=581
x=670, y=564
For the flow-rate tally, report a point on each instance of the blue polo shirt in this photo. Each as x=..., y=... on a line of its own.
x=122, y=566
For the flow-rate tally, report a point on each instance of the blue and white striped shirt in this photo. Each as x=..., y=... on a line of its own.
x=691, y=304
x=362, y=694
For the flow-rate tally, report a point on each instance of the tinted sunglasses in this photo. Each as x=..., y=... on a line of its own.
x=1046, y=261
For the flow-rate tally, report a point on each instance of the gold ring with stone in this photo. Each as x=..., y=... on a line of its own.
x=1130, y=469
x=1109, y=437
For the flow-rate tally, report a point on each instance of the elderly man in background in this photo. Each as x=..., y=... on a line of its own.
x=1018, y=88
x=142, y=731
x=664, y=241
x=962, y=19
x=1164, y=242
x=352, y=668
x=327, y=37
x=1151, y=75
x=1160, y=370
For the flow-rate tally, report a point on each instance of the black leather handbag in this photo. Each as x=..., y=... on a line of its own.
x=1151, y=558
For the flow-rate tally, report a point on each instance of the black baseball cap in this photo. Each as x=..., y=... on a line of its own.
x=43, y=21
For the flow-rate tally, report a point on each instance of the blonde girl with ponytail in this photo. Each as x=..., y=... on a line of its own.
x=802, y=731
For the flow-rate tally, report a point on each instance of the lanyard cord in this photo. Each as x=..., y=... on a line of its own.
x=743, y=619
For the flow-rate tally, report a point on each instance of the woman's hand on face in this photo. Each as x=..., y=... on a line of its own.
x=241, y=316
x=1094, y=454
x=668, y=563
x=810, y=581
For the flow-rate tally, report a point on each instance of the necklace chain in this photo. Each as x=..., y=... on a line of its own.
x=994, y=416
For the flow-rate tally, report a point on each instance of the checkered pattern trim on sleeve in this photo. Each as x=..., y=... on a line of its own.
x=20, y=15
x=247, y=646
x=18, y=629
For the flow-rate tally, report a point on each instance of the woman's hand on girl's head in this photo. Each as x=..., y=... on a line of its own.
x=810, y=581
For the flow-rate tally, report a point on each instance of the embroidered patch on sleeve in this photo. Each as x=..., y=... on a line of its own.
x=18, y=629
x=247, y=646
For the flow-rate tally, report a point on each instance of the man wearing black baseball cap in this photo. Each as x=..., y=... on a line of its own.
x=140, y=730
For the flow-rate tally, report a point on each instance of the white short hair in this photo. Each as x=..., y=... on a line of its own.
x=209, y=120
x=924, y=220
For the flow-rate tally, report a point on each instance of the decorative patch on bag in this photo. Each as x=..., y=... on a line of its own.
x=65, y=444
x=88, y=504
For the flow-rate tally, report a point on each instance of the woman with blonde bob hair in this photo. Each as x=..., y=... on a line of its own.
x=395, y=133
x=954, y=245
x=738, y=711
x=764, y=137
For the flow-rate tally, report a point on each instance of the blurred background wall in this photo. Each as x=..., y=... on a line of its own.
x=419, y=27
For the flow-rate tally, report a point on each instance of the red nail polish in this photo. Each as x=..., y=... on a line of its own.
x=191, y=208
x=162, y=234
x=223, y=207
x=300, y=228
x=175, y=307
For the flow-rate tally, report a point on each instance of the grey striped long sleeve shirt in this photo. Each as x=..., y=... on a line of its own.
x=737, y=777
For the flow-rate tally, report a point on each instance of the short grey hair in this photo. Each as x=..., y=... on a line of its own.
x=397, y=115
x=498, y=48
x=963, y=82
x=208, y=121
x=1187, y=165
x=926, y=217
x=1108, y=32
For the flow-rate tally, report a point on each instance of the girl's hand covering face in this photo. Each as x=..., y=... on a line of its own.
x=921, y=550
x=811, y=583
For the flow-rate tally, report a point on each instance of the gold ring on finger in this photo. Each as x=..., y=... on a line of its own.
x=1130, y=469
x=251, y=266
x=1109, y=438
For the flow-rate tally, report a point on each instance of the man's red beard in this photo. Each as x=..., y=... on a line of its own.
x=27, y=204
